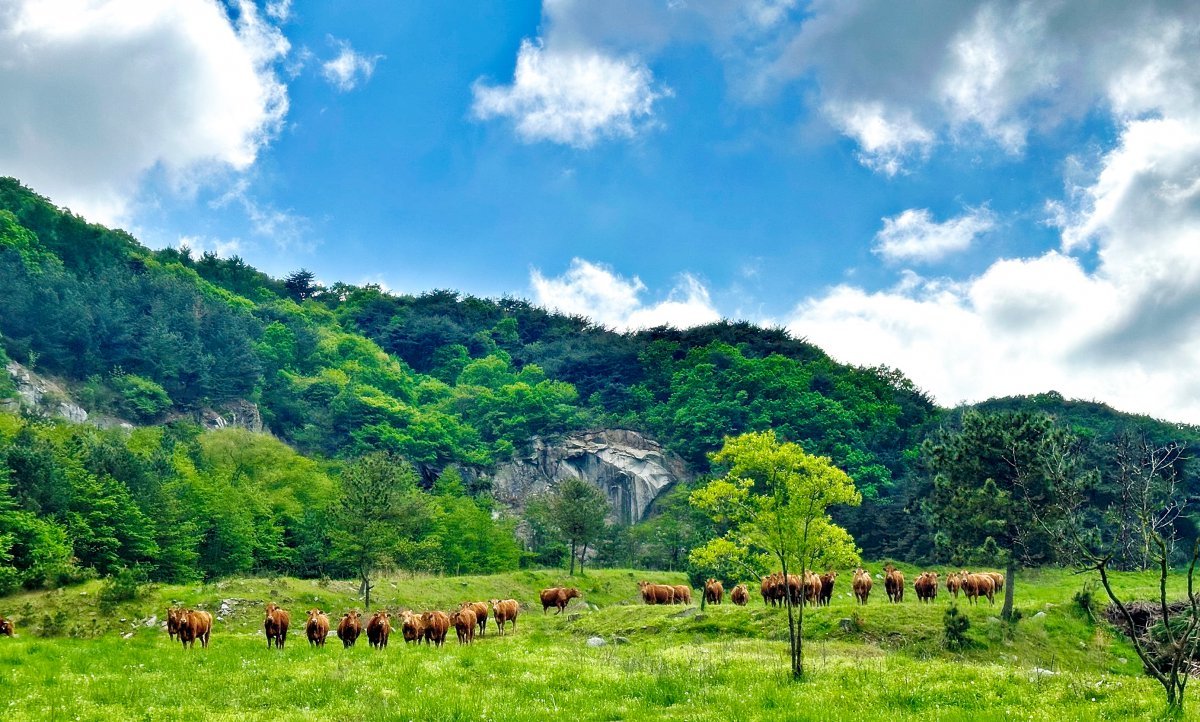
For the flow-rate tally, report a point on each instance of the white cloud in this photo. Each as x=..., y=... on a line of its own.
x=199, y=245
x=915, y=236
x=887, y=137
x=573, y=97
x=348, y=69
x=286, y=229
x=96, y=94
x=597, y=292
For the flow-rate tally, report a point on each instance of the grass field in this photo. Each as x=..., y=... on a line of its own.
x=658, y=662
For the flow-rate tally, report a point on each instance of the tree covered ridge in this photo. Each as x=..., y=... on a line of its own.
x=437, y=379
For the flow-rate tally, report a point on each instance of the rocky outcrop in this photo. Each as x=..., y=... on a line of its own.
x=631, y=469
x=238, y=414
x=40, y=395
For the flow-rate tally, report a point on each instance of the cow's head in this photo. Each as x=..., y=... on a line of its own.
x=6, y=627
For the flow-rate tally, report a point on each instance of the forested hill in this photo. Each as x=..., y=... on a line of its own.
x=159, y=337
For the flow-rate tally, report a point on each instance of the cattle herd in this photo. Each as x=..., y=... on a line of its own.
x=817, y=589
x=190, y=626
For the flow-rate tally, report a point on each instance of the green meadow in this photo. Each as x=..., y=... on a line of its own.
x=71, y=660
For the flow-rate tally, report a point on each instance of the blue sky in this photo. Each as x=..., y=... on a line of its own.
x=995, y=197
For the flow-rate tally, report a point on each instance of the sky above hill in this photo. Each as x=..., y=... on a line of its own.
x=994, y=197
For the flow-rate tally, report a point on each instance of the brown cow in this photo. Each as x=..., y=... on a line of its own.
x=435, y=624
x=740, y=595
x=7, y=628
x=812, y=587
x=997, y=580
x=926, y=586
x=977, y=585
x=173, y=614
x=194, y=625
x=683, y=594
x=558, y=597
x=411, y=627
x=794, y=589
x=714, y=591
x=379, y=628
x=862, y=584
x=771, y=589
x=276, y=625
x=504, y=611
x=464, y=624
x=953, y=583
x=349, y=629
x=481, y=613
x=317, y=627
x=827, y=580
x=893, y=584
x=657, y=593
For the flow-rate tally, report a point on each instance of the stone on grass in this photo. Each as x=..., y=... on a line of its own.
x=596, y=642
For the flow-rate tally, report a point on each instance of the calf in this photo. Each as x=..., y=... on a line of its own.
x=714, y=591
x=464, y=624
x=683, y=594
x=7, y=628
x=827, y=580
x=173, y=614
x=739, y=595
x=317, y=627
x=862, y=584
x=275, y=626
x=379, y=628
x=504, y=611
x=349, y=629
x=893, y=584
x=953, y=583
x=435, y=624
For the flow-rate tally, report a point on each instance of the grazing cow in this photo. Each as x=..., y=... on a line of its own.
x=827, y=580
x=435, y=624
x=926, y=586
x=714, y=591
x=812, y=587
x=379, y=628
x=276, y=625
x=349, y=629
x=862, y=584
x=317, y=627
x=953, y=583
x=740, y=595
x=893, y=584
x=558, y=597
x=978, y=585
x=194, y=625
x=683, y=594
x=173, y=614
x=7, y=628
x=481, y=613
x=411, y=627
x=504, y=611
x=657, y=593
x=464, y=624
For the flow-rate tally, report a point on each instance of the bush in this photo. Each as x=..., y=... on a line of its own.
x=124, y=586
x=140, y=399
x=955, y=625
x=1086, y=599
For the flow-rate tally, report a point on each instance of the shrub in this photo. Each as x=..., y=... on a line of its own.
x=123, y=586
x=955, y=625
x=140, y=399
x=1086, y=599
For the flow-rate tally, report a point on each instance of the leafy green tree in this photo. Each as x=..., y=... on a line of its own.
x=775, y=498
x=140, y=399
x=995, y=481
x=302, y=284
x=577, y=511
x=370, y=516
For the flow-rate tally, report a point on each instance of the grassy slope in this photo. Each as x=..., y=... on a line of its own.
x=717, y=664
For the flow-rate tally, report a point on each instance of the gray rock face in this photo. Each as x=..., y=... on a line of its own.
x=628, y=467
x=41, y=395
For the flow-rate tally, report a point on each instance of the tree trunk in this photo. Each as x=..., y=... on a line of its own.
x=797, y=663
x=1010, y=578
x=582, y=557
x=572, y=557
x=366, y=587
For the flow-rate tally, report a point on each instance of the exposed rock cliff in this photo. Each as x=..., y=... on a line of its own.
x=40, y=395
x=629, y=468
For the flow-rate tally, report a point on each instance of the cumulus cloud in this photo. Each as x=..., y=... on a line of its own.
x=98, y=94
x=572, y=97
x=346, y=70
x=599, y=293
x=914, y=236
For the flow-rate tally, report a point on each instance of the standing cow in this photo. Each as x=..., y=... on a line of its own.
x=316, y=628
x=862, y=585
x=481, y=614
x=379, y=628
x=926, y=586
x=275, y=626
x=505, y=611
x=7, y=628
x=893, y=584
x=464, y=624
x=411, y=627
x=827, y=580
x=194, y=625
x=435, y=624
x=740, y=595
x=558, y=597
x=714, y=591
x=349, y=629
